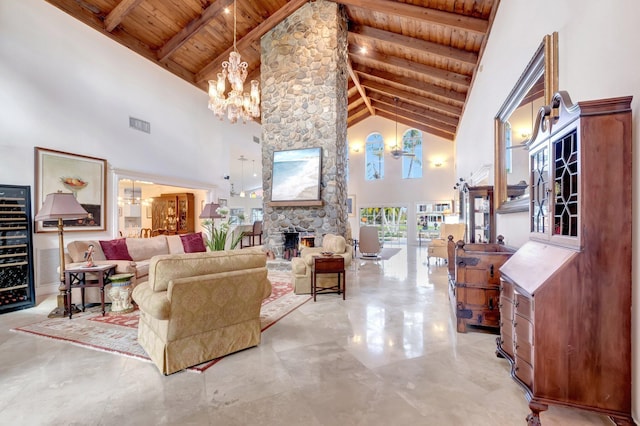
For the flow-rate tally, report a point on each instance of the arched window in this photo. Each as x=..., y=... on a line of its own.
x=412, y=159
x=374, y=157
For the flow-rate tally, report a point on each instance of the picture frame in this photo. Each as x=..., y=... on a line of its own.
x=222, y=202
x=83, y=176
x=296, y=175
x=351, y=205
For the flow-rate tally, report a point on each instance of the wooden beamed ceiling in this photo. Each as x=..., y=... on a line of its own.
x=423, y=52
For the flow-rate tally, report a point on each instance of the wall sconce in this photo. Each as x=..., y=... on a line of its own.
x=438, y=163
x=356, y=148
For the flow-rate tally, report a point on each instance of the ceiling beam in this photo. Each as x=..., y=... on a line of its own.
x=415, y=45
x=253, y=36
x=424, y=14
x=355, y=120
x=118, y=13
x=407, y=65
x=356, y=81
x=425, y=87
x=192, y=28
x=354, y=101
x=357, y=115
x=412, y=97
x=414, y=109
x=418, y=125
x=94, y=20
x=403, y=114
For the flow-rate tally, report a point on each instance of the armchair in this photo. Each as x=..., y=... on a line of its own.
x=199, y=306
x=369, y=243
x=438, y=247
x=301, y=266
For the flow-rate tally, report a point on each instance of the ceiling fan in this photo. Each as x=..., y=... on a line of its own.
x=396, y=152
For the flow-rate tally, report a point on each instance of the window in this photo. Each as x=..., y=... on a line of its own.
x=256, y=214
x=412, y=163
x=236, y=216
x=374, y=157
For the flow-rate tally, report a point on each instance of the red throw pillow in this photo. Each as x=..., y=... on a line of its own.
x=115, y=249
x=193, y=243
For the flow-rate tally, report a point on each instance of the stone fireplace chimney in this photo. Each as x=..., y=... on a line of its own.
x=304, y=105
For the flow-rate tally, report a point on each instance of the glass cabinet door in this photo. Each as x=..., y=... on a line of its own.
x=540, y=190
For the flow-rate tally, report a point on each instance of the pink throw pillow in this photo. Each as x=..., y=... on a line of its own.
x=193, y=243
x=115, y=249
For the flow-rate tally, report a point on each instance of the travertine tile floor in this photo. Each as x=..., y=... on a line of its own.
x=388, y=355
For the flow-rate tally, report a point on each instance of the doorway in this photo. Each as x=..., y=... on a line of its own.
x=391, y=222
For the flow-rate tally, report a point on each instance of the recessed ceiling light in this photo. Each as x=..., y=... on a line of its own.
x=363, y=49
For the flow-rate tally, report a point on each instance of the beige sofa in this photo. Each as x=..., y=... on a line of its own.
x=141, y=251
x=301, y=266
x=200, y=306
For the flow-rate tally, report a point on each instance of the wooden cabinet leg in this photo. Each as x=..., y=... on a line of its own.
x=533, y=419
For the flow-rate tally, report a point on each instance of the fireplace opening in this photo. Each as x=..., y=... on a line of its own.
x=290, y=245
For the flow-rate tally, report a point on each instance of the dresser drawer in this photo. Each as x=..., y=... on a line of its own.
x=523, y=329
x=523, y=306
x=523, y=350
x=506, y=341
x=524, y=372
x=506, y=310
x=506, y=289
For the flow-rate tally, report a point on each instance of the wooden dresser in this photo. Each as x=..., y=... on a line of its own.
x=565, y=300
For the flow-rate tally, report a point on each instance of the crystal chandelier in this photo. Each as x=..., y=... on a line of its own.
x=236, y=103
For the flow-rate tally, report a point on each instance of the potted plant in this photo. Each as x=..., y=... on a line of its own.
x=217, y=236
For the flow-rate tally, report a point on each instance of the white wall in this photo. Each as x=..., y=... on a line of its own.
x=599, y=46
x=436, y=183
x=64, y=86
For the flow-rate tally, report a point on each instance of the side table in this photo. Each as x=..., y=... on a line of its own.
x=328, y=265
x=77, y=278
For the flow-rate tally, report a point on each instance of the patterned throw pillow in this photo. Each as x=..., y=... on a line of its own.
x=193, y=243
x=115, y=249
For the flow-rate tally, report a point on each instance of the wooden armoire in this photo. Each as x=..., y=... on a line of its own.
x=565, y=301
x=174, y=213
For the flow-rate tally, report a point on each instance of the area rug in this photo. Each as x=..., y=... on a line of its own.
x=118, y=334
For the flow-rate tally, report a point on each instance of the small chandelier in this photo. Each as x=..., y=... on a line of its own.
x=236, y=103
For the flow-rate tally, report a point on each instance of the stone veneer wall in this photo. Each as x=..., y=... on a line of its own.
x=304, y=104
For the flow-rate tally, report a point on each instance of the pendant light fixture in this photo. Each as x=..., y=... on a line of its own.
x=236, y=104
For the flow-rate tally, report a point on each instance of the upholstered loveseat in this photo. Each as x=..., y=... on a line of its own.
x=301, y=266
x=200, y=306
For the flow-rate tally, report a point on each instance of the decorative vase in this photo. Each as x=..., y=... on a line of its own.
x=120, y=293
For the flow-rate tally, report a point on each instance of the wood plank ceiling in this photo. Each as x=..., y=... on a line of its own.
x=422, y=52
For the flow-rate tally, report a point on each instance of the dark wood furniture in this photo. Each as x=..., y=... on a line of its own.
x=476, y=211
x=87, y=276
x=566, y=293
x=328, y=265
x=16, y=253
x=173, y=214
x=256, y=231
x=475, y=290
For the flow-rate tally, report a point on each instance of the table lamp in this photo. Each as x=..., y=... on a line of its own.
x=60, y=206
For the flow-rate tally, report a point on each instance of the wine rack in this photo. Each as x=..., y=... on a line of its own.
x=16, y=258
